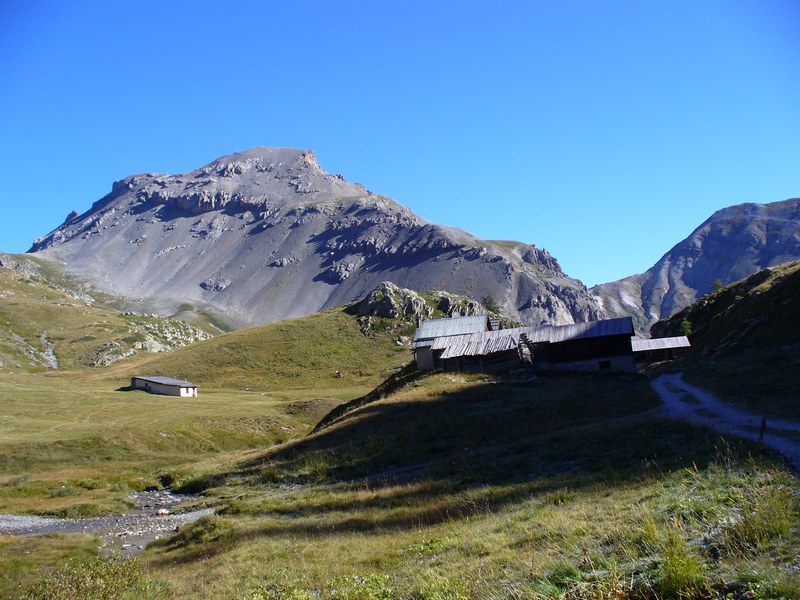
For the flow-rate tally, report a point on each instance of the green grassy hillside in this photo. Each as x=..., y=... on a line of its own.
x=302, y=353
x=258, y=387
x=44, y=325
x=454, y=487
x=460, y=488
x=746, y=341
x=74, y=441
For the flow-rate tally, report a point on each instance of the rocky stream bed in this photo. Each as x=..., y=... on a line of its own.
x=153, y=516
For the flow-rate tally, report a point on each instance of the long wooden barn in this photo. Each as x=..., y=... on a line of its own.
x=594, y=346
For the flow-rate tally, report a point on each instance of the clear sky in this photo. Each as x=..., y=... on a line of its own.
x=603, y=131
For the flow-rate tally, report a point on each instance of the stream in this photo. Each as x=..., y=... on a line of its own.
x=150, y=518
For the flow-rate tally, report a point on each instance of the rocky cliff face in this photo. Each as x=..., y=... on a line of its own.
x=733, y=243
x=267, y=234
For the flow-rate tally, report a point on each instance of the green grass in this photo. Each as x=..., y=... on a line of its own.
x=420, y=540
x=98, y=442
x=455, y=486
x=96, y=579
x=573, y=488
x=301, y=353
x=28, y=560
x=32, y=307
x=452, y=488
x=74, y=443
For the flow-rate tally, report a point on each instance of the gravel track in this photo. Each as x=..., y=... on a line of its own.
x=685, y=401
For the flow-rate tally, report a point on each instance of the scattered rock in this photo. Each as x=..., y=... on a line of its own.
x=282, y=262
x=23, y=266
x=127, y=534
x=215, y=283
x=457, y=306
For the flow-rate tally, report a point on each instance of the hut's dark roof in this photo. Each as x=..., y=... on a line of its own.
x=166, y=380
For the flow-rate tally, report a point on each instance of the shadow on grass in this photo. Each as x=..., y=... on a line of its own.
x=420, y=460
x=401, y=509
x=593, y=427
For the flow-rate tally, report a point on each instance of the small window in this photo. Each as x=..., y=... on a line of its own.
x=604, y=365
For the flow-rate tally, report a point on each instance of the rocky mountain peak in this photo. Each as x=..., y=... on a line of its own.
x=267, y=234
x=256, y=179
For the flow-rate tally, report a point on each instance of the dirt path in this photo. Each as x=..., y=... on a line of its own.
x=685, y=401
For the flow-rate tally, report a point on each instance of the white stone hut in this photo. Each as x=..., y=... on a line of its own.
x=166, y=386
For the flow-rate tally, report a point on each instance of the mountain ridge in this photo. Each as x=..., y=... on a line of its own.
x=267, y=234
x=733, y=243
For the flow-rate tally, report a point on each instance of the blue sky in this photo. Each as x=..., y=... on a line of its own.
x=602, y=131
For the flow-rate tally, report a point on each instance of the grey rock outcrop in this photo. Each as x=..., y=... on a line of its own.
x=267, y=234
x=733, y=243
x=457, y=306
x=389, y=301
x=12, y=262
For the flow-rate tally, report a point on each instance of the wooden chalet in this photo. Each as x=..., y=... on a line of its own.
x=594, y=346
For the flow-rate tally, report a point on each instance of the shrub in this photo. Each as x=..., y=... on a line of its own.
x=685, y=327
x=490, y=304
x=205, y=530
x=95, y=580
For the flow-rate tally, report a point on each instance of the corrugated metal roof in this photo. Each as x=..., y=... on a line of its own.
x=481, y=344
x=482, y=338
x=435, y=328
x=166, y=380
x=562, y=333
x=641, y=345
